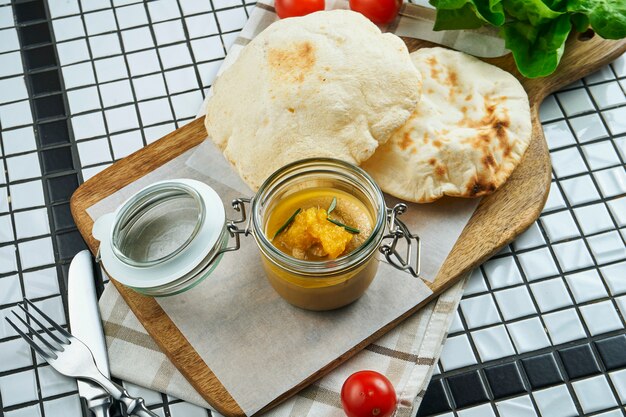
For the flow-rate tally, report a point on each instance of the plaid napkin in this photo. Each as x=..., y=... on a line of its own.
x=406, y=355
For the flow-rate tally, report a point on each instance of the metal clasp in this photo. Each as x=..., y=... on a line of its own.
x=400, y=233
x=239, y=205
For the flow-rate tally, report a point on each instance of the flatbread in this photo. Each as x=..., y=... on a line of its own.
x=469, y=131
x=329, y=84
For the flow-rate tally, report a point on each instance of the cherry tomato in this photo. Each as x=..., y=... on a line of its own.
x=378, y=11
x=291, y=8
x=368, y=394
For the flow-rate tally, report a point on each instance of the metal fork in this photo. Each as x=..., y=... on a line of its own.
x=72, y=358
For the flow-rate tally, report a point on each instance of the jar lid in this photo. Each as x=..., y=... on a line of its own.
x=162, y=233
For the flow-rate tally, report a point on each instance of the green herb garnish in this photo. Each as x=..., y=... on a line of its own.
x=348, y=228
x=332, y=206
x=287, y=223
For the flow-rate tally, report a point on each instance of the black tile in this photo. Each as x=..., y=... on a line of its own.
x=26, y=12
x=45, y=82
x=62, y=217
x=435, y=400
x=467, y=389
x=579, y=361
x=505, y=380
x=613, y=352
x=53, y=133
x=42, y=57
x=35, y=34
x=49, y=106
x=542, y=371
x=57, y=160
x=60, y=189
x=70, y=244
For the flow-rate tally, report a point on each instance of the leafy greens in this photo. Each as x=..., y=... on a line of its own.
x=535, y=30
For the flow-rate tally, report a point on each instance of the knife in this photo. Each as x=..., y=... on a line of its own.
x=86, y=325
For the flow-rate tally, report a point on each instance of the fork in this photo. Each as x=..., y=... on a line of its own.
x=71, y=357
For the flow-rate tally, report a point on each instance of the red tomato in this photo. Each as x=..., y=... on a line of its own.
x=378, y=11
x=291, y=8
x=368, y=394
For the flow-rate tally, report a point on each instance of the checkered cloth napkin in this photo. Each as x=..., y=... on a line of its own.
x=406, y=355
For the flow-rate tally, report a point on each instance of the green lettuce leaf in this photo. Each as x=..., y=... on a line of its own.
x=607, y=17
x=534, y=11
x=580, y=22
x=467, y=14
x=537, y=49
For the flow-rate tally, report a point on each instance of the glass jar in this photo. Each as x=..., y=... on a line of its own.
x=171, y=235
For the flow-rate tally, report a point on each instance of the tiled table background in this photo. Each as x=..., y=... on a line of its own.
x=541, y=327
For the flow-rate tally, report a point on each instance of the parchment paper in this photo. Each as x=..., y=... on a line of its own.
x=258, y=345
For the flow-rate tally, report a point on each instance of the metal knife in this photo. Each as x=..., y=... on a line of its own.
x=86, y=325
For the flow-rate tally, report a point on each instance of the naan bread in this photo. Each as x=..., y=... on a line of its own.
x=325, y=85
x=469, y=131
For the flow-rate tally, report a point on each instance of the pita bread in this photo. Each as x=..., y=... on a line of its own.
x=468, y=133
x=329, y=84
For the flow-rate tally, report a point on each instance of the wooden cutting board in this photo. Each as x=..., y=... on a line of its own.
x=498, y=219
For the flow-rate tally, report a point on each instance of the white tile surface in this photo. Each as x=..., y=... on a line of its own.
x=207, y=49
x=201, y=25
x=555, y=402
x=528, y=335
x=15, y=114
x=73, y=51
x=63, y=8
x=192, y=7
x=9, y=40
x=126, y=143
x=515, y=302
x=100, y=22
x=6, y=229
x=558, y=135
x=232, y=19
x=603, y=74
x=31, y=223
x=608, y=94
x=35, y=253
x=618, y=379
x=144, y=62
x=88, y=125
x=8, y=261
x=78, y=75
x=588, y=127
x=621, y=304
x=83, y=99
x=575, y=102
x=53, y=383
x=186, y=104
x=531, y=238
x=151, y=397
x=580, y=190
x=131, y=16
x=614, y=277
x=516, y=407
x=41, y=283
x=68, y=28
x=559, y=226
x=455, y=325
x=23, y=167
x=563, y=326
x=92, y=5
x=13, y=89
x=594, y=394
x=27, y=194
x=116, y=93
x=121, y=118
x=105, y=45
x=601, y=317
x=567, y=162
x=4, y=200
x=479, y=311
x=93, y=152
x=110, y=69
x=53, y=307
x=502, y=272
x=586, y=286
x=175, y=56
x=457, y=353
x=154, y=133
x=62, y=407
x=171, y=32
x=607, y=247
x=15, y=354
x=11, y=64
x=184, y=409
x=150, y=86
x=493, y=343
x=537, y=264
x=594, y=218
x=10, y=291
x=137, y=39
x=180, y=80
x=555, y=199
x=616, y=120
x=30, y=411
x=600, y=155
x=475, y=283
x=618, y=210
x=572, y=255
x=163, y=10
x=551, y=294
x=155, y=111
x=18, y=388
